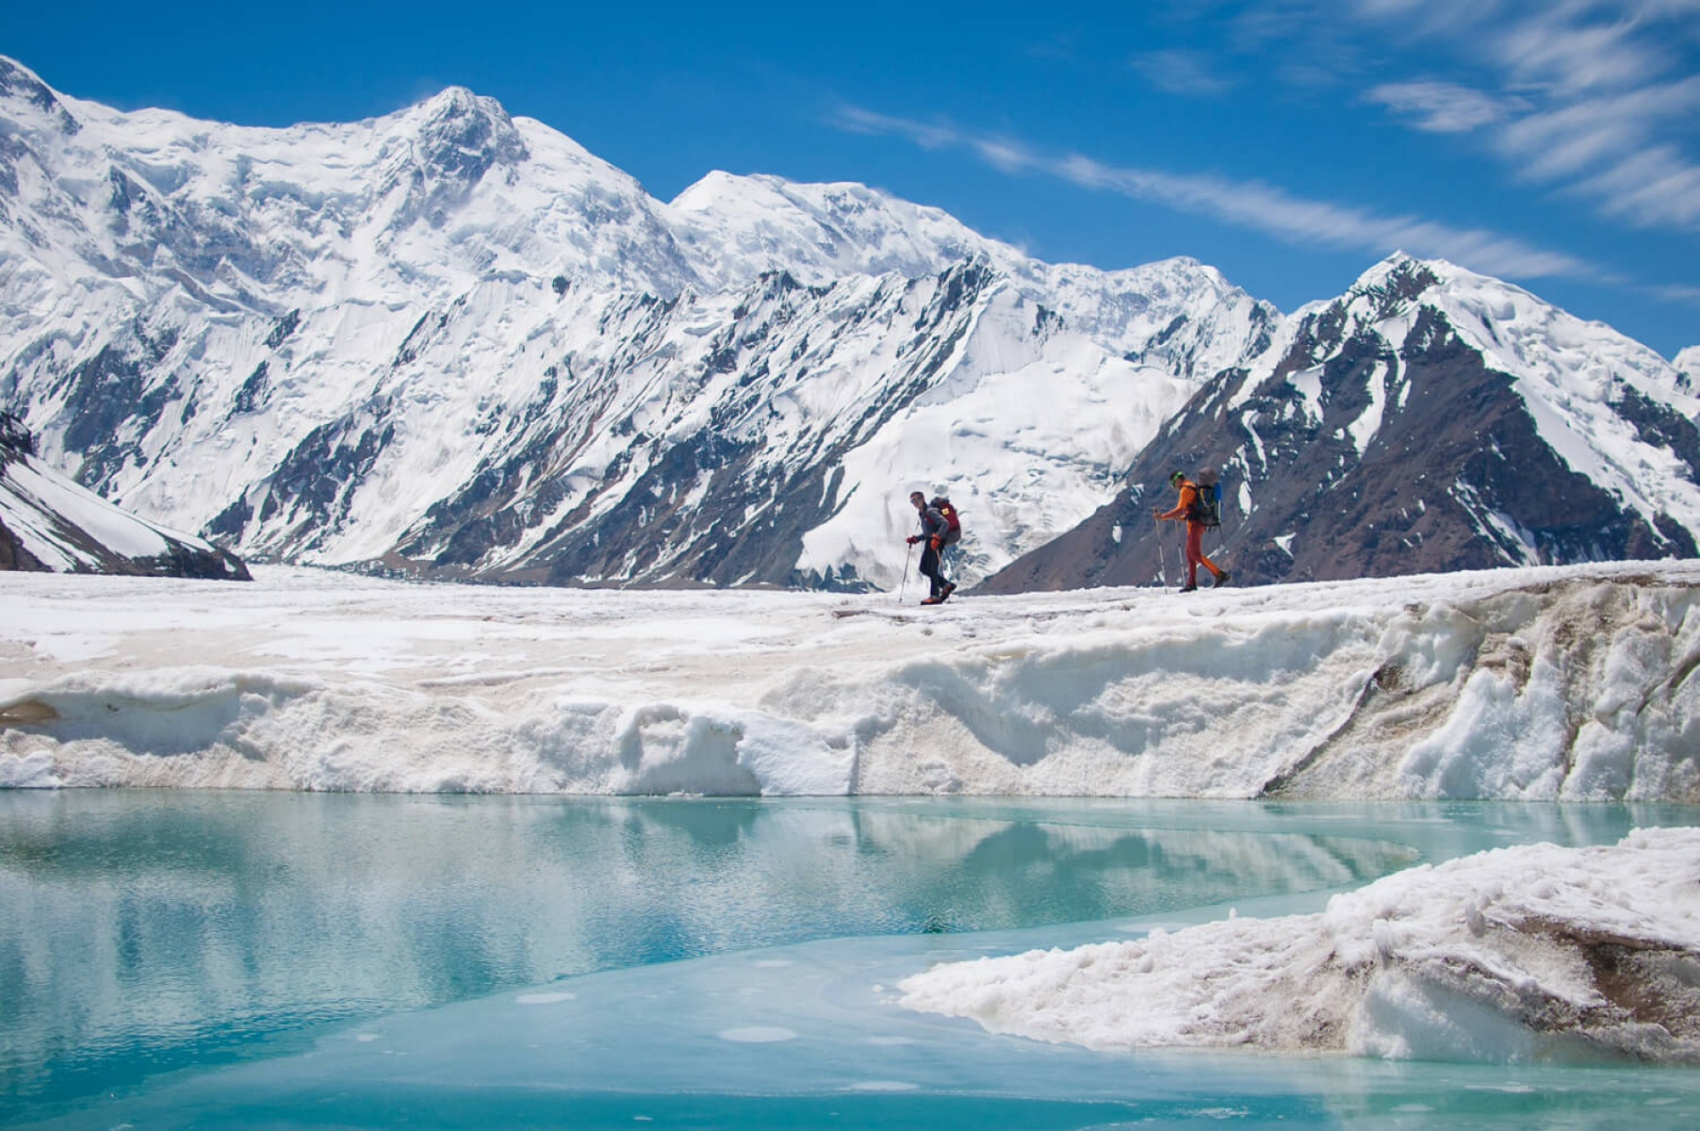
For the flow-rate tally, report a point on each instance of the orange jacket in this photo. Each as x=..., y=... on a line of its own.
x=1188, y=503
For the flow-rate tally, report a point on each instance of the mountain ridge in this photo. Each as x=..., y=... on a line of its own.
x=1430, y=418
x=431, y=338
x=48, y=524
x=453, y=342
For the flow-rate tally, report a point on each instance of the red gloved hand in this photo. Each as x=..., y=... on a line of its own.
x=912, y=539
x=936, y=544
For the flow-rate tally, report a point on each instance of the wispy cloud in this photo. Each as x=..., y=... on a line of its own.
x=1677, y=293
x=1186, y=73
x=1651, y=187
x=1248, y=204
x=1440, y=107
x=1592, y=97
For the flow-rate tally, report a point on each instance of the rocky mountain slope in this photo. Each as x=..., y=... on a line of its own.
x=1431, y=419
x=452, y=341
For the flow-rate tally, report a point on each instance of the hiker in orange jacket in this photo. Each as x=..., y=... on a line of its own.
x=1191, y=508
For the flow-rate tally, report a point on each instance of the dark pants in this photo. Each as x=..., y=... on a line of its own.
x=931, y=568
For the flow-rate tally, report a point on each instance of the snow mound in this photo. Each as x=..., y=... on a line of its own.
x=1514, y=955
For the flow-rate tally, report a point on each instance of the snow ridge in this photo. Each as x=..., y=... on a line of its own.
x=49, y=523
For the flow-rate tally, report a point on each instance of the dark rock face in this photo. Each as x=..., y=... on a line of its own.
x=1455, y=477
x=15, y=439
x=14, y=557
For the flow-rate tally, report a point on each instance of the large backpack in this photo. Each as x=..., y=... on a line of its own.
x=1207, y=510
x=952, y=520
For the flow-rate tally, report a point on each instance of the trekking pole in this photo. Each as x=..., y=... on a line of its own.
x=1162, y=557
x=903, y=586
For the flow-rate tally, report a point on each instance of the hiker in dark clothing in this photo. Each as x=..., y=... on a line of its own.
x=1191, y=508
x=934, y=529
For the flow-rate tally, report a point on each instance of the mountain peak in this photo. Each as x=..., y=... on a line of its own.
x=1404, y=273
x=821, y=231
x=454, y=92
x=15, y=79
x=19, y=84
x=464, y=134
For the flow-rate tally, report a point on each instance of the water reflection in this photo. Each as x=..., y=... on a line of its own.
x=142, y=932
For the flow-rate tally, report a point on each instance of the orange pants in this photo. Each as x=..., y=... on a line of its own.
x=1195, y=554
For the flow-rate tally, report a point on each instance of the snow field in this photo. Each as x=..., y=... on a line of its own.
x=1562, y=683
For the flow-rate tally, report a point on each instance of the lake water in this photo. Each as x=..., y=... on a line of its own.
x=178, y=959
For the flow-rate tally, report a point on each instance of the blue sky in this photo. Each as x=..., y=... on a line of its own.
x=1289, y=143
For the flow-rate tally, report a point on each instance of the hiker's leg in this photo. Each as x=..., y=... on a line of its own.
x=930, y=567
x=1194, y=551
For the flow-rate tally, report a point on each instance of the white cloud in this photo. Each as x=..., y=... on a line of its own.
x=1570, y=49
x=1619, y=151
x=857, y=120
x=1440, y=107
x=1250, y=204
x=1653, y=187
x=1676, y=292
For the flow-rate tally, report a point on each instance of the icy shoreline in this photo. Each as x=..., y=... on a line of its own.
x=1513, y=955
x=1564, y=683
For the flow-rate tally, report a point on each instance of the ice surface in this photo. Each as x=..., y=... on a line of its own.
x=1553, y=683
x=1535, y=952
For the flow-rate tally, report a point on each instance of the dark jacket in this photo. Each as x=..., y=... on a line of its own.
x=933, y=524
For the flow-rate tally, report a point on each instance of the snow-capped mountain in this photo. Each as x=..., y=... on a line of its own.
x=1430, y=419
x=452, y=340
x=49, y=524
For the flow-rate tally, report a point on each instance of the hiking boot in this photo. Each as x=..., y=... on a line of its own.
x=1221, y=580
x=933, y=601
x=944, y=594
x=1189, y=589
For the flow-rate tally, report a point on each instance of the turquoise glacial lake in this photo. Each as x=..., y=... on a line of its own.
x=181, y=959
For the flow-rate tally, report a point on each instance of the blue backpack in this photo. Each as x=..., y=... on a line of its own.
x=1208, y=509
